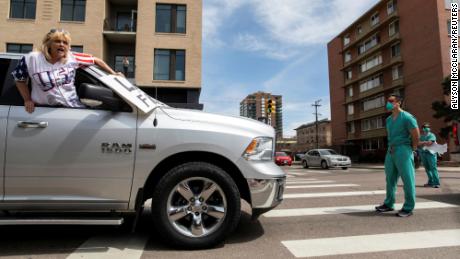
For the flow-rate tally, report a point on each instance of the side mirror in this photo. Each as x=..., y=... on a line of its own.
x=99, y=96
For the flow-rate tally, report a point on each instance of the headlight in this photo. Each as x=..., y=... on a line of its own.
x=260, y=148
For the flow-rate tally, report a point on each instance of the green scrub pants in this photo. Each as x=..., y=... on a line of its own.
x=429, y=162
x=400, y=162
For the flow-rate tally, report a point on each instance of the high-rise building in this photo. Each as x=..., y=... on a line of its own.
x=399, y=47
x=160, y=39
x=255, y=106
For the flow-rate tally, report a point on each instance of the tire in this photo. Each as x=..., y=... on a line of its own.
x=182, y=188
x=304, y=164
x=344, y=168
x=324, y=164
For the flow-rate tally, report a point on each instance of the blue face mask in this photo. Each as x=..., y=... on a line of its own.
x=389, y=106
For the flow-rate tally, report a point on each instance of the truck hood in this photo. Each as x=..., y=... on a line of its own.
x=236, y=122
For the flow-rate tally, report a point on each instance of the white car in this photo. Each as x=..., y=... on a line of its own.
x=325, y=158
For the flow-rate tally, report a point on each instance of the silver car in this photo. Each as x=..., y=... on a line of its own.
x=125, y=148
x=325, y=158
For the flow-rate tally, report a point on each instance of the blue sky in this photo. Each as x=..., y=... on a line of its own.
x=277, y=46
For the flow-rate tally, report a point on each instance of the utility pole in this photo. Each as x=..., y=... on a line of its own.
x=316, y=122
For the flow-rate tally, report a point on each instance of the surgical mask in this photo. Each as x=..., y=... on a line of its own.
x=389, y=106
x=426, y=130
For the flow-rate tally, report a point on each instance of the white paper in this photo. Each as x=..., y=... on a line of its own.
x=436, y=148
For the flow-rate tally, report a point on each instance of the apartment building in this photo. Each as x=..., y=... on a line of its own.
x=306, y=135
x=399, y=47
x=161, y=39
x=254, y=107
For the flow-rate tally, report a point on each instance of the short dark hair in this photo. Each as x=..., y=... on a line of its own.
x=398, y=98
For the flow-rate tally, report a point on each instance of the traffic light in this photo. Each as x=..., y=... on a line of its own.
x=270, y=106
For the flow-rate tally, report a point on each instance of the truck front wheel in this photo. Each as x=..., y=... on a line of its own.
x=196, y=205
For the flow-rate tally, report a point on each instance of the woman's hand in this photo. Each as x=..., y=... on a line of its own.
x=119, y=74
x=29, y=105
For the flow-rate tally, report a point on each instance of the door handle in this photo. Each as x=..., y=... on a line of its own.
x=31, y=124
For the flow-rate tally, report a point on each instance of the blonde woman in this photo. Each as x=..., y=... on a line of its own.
x=52, y=71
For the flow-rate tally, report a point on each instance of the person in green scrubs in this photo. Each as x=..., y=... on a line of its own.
x=403, y=136
x=429, y=159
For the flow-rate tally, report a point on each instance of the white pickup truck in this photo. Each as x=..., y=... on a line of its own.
x=126, y=148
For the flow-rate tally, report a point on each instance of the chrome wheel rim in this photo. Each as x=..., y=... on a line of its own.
x=196, y=207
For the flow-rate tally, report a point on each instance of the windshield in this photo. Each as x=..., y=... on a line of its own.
x=327, y=152
x=281, y=154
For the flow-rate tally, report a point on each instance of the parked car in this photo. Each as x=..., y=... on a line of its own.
x=282, y=158
x=125, y=148
x=325, y=158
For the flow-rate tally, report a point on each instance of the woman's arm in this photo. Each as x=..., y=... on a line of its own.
x=24, y=91
x=106, y=67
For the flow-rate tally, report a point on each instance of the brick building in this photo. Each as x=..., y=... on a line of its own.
x=397, y=47
x=161, y=39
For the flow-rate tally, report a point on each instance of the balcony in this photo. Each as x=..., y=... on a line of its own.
x=379, y=89
x=373, y=133
x=121, y=23
x=392, y=17
x=374, y=70
x=393, y=39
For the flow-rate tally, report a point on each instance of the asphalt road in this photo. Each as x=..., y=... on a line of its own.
x=327, y=213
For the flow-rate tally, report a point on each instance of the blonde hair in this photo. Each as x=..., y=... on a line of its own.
x=52, y=35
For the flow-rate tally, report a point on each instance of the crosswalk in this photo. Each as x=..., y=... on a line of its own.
x=353, y=244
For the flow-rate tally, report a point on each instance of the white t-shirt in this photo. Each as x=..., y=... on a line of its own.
x=52, y=84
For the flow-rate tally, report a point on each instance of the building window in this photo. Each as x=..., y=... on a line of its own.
x=391, y=7
x=23, y=9
x=393, y=28
x=375, y=19
x=77, y=48
x=73, y=10
x=396, y=72
x=351, y=109
x=347, y=56
x=372, y=144
x=127, y=70
x=346, y=40
x=368, y=44
x=348, y=74
x=169, y=65
x=18, y=48
x=370, y=63
x=372, y=123
x=371, y=83
x=396, y=50
x=351, y=127
x=359, y=30
x=350, y=91
x=373, y=103
x=170, y=18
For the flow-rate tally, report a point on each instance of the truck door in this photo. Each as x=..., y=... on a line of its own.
x=3, y=120
x=69, y=158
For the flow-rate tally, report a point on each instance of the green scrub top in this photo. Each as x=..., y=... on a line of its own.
x=399, y=129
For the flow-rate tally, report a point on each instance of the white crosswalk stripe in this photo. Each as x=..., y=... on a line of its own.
x=331, y=194
x=322, y=186
x=373, y=243
x=346, y=209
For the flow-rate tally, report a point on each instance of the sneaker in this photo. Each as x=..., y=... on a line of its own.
x=436, y=186
x=383, y=208
x=404, y=213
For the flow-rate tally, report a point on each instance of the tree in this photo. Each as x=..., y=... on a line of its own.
x=443, y=110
